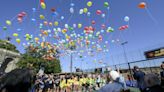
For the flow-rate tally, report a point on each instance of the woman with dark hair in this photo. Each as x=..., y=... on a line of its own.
x=18, y=80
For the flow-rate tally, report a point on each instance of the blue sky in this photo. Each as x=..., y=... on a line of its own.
x=146, y=26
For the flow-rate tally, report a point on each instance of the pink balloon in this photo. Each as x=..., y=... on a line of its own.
x=20, y=15
x=23, y=13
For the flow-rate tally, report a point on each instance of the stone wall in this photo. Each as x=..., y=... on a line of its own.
x=9, y=54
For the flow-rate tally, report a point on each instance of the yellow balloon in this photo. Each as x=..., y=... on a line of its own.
x=79, y=25
x=89, y=4
x=18, y=40
x=8, y=22
x=64, y=31
x=15, y=35
x=67, y=37
x=42, y=44
x=56, y=23
x=43, y=5
x=36, y=39
x=42, y=17
x=85, y=10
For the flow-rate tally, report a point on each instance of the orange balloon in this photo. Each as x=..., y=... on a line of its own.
x=142, y=5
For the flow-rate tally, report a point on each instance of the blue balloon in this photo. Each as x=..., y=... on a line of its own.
x=34, y=9
x=72, y=4
x=33, y=19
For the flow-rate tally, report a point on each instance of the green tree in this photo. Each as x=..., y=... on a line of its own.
x=4, y=44
x=34, y=61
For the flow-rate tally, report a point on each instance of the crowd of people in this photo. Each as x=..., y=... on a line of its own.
x=24, y=80
x=69, y=83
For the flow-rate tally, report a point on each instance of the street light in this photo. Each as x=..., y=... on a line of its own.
x=125, y=56
x=73, y=47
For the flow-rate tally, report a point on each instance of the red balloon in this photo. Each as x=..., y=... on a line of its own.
x=86, y=28
x=41, y=1
x=20, y=15
x=98, y=12
x=53, y=9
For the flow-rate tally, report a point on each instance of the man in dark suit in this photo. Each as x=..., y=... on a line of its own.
x=139, y=77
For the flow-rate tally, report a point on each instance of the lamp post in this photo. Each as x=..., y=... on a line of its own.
x=72, y=47
x=125, y=55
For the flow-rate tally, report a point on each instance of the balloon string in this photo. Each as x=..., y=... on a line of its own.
x=13, y=18
x=69, y=19
x=151, y=16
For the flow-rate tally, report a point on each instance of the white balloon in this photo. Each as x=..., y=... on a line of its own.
x=62, y=17
x=71, y=10
x=126, y=19
x=66, y=25
x=88, y=13
x=74, y=25
x=81, y=11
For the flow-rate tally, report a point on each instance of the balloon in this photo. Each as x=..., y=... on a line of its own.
x=123, y=27
x=74, y=25
x=103, y=15
x=64, y=31
x=27, y=35
x=36, y=39
x=53, y=9
x=41, y=1
x=45, y=23
x=62, y=17
x=71, y=10
x=79, y=25
x=89, y=3
x=56, y=23
x=18, y=40
x=72, y=4
x=43, y=5
x=93, y=22
x=110, y=29
x=142, y=5
x=103, y=26
x=33, y=19
x=42, y=17
x=4, y=28
x=126, y=19
x=88, y=14
x=23, y=13
x=85, y=10
x=19, y=29
x=81, y=11
x=66, y=25
x=50, y=23
x=8, y=22
x=98, y=12
x=34, y=9
x=15, y=34
x=106, y=4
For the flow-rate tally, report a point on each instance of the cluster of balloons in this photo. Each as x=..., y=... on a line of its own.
x=20, y=16
x=55, y=35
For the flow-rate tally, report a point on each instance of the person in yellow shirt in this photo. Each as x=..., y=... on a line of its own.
x=62, y=84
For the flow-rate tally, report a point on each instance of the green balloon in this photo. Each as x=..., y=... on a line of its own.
x=106, y=4
x=4, y=28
